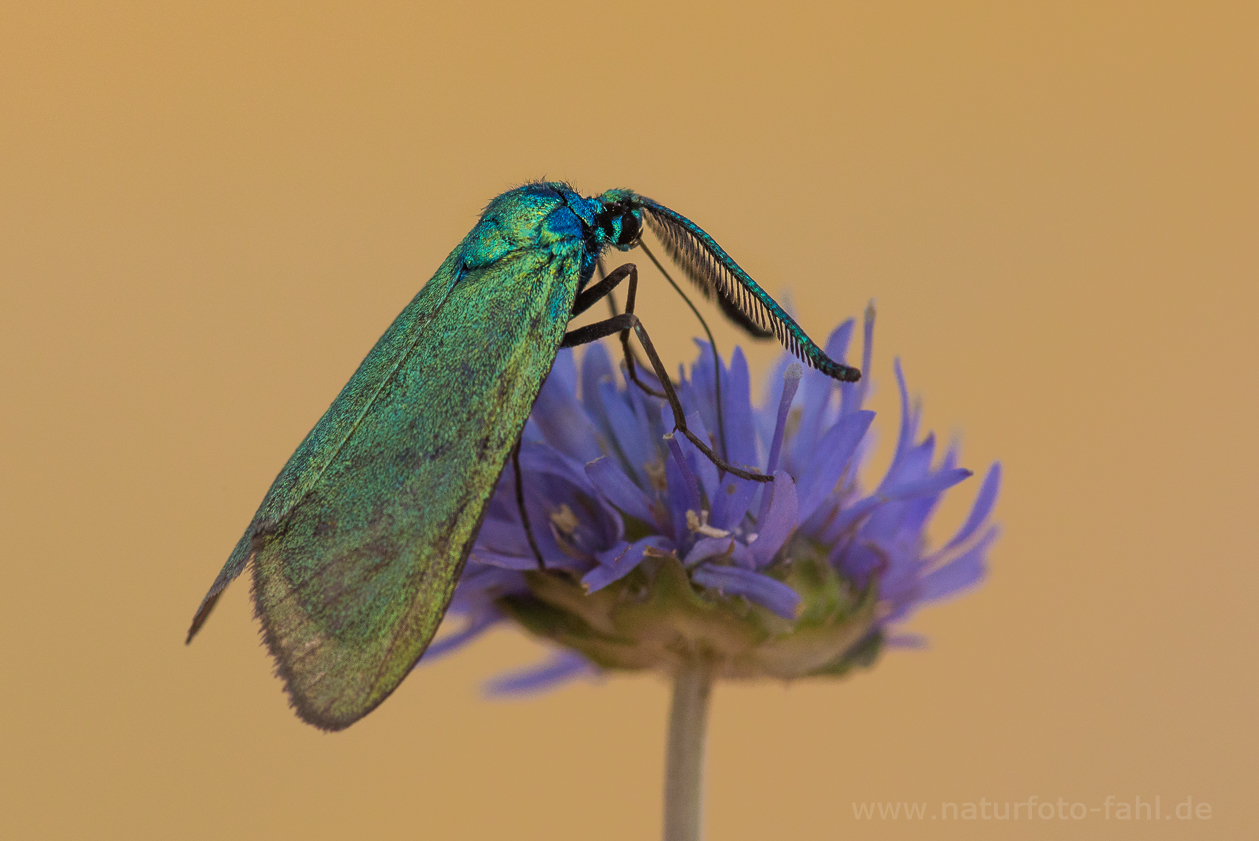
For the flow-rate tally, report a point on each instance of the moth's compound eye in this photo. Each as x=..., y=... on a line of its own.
x=631, y=228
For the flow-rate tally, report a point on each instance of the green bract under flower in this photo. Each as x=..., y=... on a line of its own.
x=655, y=618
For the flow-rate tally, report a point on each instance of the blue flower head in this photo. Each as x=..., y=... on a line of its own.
x=654, y=556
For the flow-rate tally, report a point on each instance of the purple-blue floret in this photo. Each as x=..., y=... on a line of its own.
x=608, y=484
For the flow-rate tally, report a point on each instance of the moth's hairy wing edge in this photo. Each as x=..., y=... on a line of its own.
x=301, y=705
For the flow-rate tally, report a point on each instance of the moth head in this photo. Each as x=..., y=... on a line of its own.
x=619, y=222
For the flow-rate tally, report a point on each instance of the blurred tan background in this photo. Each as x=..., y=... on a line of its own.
x=209, y=212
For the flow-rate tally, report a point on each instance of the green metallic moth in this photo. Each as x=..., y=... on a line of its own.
x=358, y=545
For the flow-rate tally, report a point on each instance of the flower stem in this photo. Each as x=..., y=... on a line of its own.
x=684, y=761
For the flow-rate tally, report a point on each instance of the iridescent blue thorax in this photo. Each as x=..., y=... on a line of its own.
x=553, y=216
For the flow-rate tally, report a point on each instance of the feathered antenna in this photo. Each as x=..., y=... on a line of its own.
x=716, y=274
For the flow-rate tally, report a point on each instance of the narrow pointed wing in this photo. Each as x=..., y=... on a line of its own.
x=358, y=546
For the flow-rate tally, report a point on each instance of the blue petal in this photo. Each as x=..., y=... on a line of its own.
x=737, y=399
x=550, y=480
x=520, y=563
x=900, y=584
x=854, y=396
x=710, y=547
x=537, y=457
x=505, y=560
x=832, y=456
x=918, y=512
x=736, y=433
x=472, y=629
x=558, y=415
x=730, y=504
x=935, y=483
x=648, y=411
x=780, y=521
x=616, y=563
x=913, y=641
x=850, y=515
x=753, y=586
x=701, y=465
x=501, y=535
x=854, y=512
x=700, y=393
x=678, y=496
x=596, y=368
x=858, y=562
x=791, y=381
x=689, y=492
x=966, y=570
x=816, y=391
x=906, y=437
x=891, y=520
x=620, y=490
x=837, y=341
x=562, y=378
x=629, y=440
x=984, y=502
x=563, y=666
x=565, y=481
x=918, y=458
x=480, y=586
x=766, y=416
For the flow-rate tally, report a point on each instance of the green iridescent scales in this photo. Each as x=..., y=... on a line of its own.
x=358, y=545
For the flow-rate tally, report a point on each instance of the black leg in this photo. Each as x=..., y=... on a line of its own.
x=598, y=330
x=592, y=294
x=631, y=364
x=520, y=505
x=630, y=358
x=623, y=324
x=586, y=299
